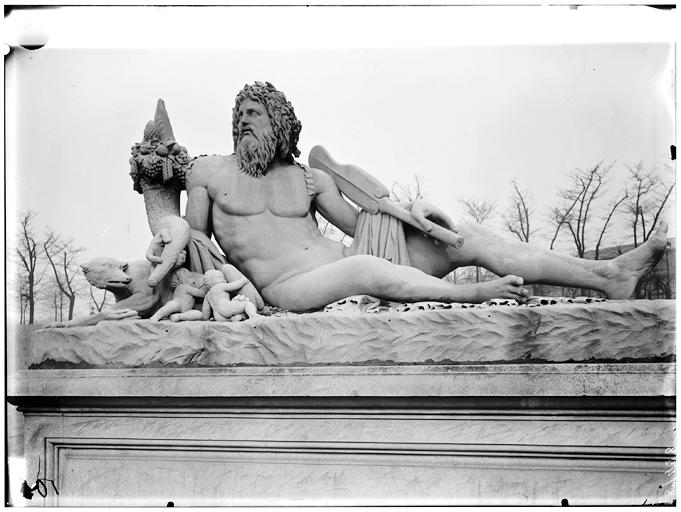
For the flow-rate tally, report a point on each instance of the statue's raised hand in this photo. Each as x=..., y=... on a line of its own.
x=166, y=249
x=426, y=214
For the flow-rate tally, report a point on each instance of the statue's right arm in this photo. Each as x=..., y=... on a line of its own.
x=196, y=292
x=197, y=211
x=235, y=285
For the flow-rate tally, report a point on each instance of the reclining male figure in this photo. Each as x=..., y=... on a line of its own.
x=259, y=203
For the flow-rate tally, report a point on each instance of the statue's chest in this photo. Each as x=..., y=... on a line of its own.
x=283, y=194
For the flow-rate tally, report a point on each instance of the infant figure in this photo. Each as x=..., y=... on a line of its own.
x=219, y=302
x=188, y=287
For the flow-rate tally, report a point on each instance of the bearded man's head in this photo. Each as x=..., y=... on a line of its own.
x=254, y=156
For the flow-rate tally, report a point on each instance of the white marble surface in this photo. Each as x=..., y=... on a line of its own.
x=531, y=380
x=293, y=456
x=617, y=330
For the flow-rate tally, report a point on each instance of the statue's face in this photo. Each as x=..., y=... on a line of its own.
x=252, y=120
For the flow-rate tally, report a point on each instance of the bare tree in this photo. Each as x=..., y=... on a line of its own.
x=98, y=305
x=648, y=196
x=409, y=191
x=22, y=294
x=53, y=299
x=579, y=205
x=29, y=254
x=517, y=217
x=614, y=205
x=480, y=210
x=61, y=254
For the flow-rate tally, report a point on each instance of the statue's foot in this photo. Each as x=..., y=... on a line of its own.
x=626, y=270
x=507, y=287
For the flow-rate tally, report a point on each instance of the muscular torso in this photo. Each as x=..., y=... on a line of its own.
x=264, y=225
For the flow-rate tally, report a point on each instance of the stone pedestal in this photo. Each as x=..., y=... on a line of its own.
x=512, y=406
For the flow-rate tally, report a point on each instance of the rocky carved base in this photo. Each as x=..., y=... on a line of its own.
x=618, y=331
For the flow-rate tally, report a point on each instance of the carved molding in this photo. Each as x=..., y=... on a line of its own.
x=501, y=380
x=314, y=457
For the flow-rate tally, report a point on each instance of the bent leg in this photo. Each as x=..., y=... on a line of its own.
x=374, y=276
x=227, y=309
x=504, y=256
x=250, y=309
x=171, y=307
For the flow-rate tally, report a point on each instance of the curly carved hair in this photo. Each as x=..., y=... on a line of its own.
x=285, y=124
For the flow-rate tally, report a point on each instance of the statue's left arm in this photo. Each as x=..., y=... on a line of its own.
x=331, y=204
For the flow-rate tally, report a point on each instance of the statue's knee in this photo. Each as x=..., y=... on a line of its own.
x=374, y=272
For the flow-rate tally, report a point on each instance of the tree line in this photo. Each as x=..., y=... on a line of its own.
x=583, y=216
x=48, y=273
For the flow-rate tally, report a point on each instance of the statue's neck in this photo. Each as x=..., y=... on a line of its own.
x=276, y=163
x=119, y=293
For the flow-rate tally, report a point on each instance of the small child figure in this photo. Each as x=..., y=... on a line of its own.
x=220, y=303
x=188, y=287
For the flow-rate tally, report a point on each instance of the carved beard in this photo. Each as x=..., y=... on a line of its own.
x=255, y=155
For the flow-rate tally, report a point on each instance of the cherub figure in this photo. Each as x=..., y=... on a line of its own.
x=188, y=287
x=219, y=302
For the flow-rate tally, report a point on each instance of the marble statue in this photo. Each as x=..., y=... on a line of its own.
x=188, y=286
x=218, y=301
x=259, y=204
x=128, y=282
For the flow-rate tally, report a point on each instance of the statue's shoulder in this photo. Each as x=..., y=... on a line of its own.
x=322, y=181
x=203, y=167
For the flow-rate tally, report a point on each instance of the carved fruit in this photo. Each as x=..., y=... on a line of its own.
x=150, y=131
x=144, y=150
x=161, y=150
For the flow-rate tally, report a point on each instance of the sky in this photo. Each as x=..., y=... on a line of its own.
x=397, y=92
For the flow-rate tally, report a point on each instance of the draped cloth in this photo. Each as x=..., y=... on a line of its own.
x=202, y=255
x=380, y=235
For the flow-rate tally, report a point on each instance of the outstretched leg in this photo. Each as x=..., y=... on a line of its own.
x=192, y=314
x=374, y=276
x=617, y=278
